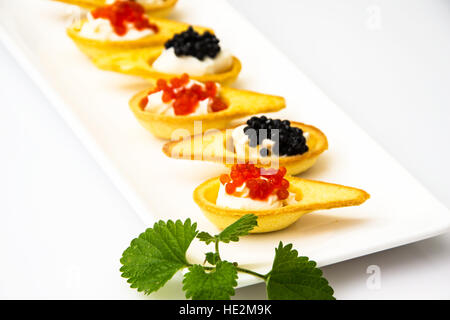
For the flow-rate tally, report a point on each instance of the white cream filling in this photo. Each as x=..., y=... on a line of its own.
x=241, y=140
x=246, y=203
x=168, y=62
x=101, y=29
x=157, y=105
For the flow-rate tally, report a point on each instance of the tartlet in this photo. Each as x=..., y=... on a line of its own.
x=105, y=53
x=139, y=63
x=311, y=195
x=216, y=147
x=191, y=52
x=155, y=10
x=240, y=103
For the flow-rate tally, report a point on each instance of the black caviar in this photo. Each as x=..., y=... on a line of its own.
x=288, y=140
x=191, y=43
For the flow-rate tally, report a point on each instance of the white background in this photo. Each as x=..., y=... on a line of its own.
x=384, y=62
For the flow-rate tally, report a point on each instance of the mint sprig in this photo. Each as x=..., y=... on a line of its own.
x=157, y=254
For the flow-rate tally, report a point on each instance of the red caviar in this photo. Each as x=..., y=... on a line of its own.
x=143, y=103
x=260, y=182
x=225, y=178
x=120, y=13
x=186, y=100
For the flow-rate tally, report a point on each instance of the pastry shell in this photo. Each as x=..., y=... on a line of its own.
x=102, y=50
x=216, y=147
x=311, y=196
x=155, y=10
x=139, y=63
x=240, y=103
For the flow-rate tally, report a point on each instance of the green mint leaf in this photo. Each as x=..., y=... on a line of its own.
x=212, y=257
x=206, y=237
x=238, y=229
x=217, y=284
x=157, y=254
x=296, y=278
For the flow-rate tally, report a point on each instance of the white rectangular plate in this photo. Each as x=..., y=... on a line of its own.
x=95, y=105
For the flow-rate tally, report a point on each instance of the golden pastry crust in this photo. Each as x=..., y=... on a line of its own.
x=87, y=4
x=240, y=103
x=155, y=10
x=311, y=195
x=215, y=147
x=101, y=50
x=139, y=63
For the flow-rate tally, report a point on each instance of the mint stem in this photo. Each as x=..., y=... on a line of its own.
x=217, y=248
x=253, y=273
x=243, y=270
